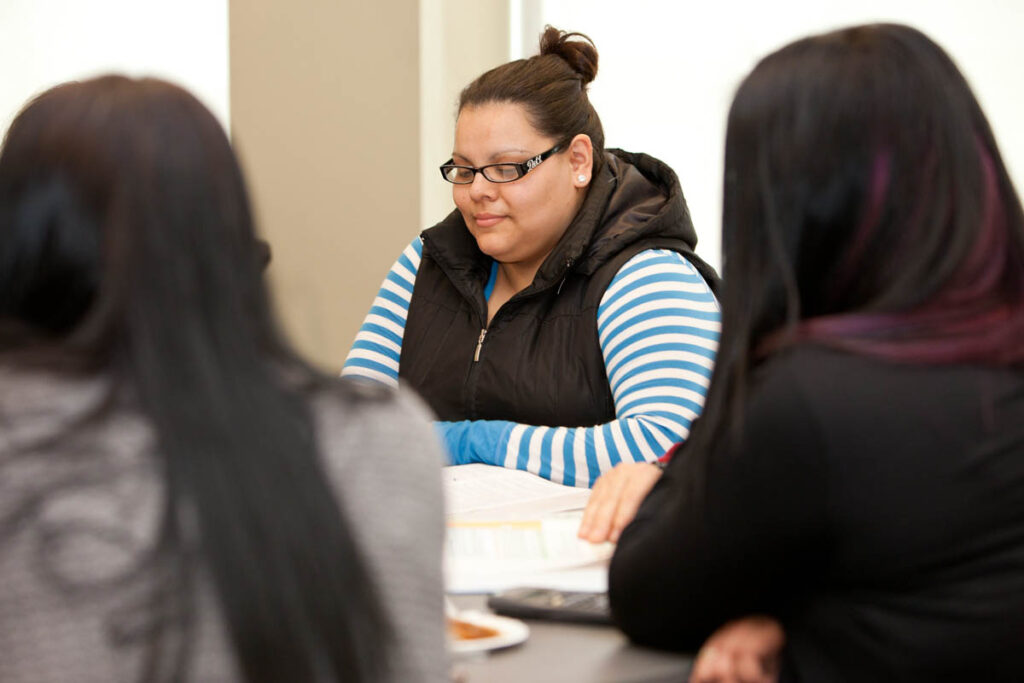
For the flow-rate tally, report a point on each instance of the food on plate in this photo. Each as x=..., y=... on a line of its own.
x=464, y=630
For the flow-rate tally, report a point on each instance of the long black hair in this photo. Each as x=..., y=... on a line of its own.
x=866, y=207
x=127, y=241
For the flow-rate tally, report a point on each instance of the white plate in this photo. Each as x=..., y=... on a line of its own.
x=510, y=632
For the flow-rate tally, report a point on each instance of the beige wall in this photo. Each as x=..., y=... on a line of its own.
x=341, y=112
x=325, y=115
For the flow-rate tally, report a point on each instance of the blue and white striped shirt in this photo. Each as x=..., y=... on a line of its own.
x=658, y=326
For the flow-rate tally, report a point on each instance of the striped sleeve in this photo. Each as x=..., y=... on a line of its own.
x=658, y=325
x=378, y=345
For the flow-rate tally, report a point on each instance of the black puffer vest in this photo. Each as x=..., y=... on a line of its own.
x=539, y=362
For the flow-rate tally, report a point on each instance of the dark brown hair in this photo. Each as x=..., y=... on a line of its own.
x=126, y=233
x=867, y=208
x=552, y=86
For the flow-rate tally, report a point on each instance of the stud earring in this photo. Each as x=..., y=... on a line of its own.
x=581, y=178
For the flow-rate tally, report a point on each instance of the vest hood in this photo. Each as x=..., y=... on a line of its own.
x=634, y=196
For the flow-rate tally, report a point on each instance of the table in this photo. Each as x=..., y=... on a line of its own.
x=569, y=653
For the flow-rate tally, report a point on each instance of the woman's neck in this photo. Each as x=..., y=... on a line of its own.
x=516, y=276
x=510, y=279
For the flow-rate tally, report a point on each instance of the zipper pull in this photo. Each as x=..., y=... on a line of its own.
x=569, y=260
x=479, y=344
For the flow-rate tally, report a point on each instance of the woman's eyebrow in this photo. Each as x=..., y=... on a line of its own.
x=495, y=155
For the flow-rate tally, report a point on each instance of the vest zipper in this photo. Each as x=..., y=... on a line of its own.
x=471, y=379
x=568, y=264
x=479, y=345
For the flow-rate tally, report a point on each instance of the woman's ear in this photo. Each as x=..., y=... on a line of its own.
x=581, y=160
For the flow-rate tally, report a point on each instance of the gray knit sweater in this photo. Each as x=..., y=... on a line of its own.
x=78, y=514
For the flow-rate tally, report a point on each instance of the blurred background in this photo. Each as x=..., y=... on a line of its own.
x=341, y=111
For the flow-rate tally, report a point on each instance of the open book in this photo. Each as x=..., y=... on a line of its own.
x=509, y=528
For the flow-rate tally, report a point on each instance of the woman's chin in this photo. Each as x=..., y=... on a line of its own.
x=497, y=249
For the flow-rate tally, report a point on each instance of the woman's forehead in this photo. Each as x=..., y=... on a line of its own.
x=495, y=128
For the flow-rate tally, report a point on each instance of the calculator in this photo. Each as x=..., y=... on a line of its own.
x=553, y=605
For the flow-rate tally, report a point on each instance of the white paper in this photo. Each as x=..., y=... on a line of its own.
x=508, y=528
x=480, y=491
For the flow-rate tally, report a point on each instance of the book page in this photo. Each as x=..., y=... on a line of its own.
x=509, y=528
x=480, y=491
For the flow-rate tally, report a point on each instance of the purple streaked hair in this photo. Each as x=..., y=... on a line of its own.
x=977, y=317
x=866, y=207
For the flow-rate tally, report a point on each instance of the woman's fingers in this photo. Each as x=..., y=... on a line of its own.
x=615, y=499
x=640, y=479
x=749, y=669
x=597, y=517
x=711, y=666
x=715, y=665
x=746, y=650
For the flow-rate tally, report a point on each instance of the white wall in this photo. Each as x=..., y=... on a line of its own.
x=668, y=70
x=667, y=74
x=459, y=40
x=45, y=42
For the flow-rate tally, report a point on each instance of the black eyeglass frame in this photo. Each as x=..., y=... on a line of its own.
x=522, y=168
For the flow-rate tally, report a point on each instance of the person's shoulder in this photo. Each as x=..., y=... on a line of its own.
x=797, y=378
x=821, y=369
x=672, y=269
x=359, y=403
x=383, y=458
x=804, y=365
x=668, y=258
x=656, y=260
x=836, y=385
x=452, y=223
x=361, y=423
x=411, y=254
x=847, y=385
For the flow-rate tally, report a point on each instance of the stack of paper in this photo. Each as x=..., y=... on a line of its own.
x=509, y=528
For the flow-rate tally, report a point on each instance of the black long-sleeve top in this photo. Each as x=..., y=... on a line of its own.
x=876, y=509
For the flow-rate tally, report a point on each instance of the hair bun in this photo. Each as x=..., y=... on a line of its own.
x=580, y=54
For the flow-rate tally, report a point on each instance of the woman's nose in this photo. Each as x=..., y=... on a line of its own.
x=481, y=187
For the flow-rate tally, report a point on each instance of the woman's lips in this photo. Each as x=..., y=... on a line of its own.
x=486, y=220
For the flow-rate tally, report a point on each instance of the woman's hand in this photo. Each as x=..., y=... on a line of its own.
x=615, y=499
x=746, y=650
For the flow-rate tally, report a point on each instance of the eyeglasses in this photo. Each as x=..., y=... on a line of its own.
x=496, y=173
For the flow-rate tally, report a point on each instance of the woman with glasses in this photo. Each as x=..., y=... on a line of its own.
x=181, y=497
x=857, y=475
x=558, y=320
